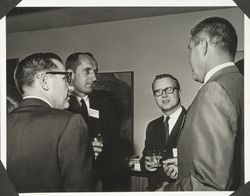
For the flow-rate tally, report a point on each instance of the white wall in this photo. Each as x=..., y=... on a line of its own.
x=147, y=46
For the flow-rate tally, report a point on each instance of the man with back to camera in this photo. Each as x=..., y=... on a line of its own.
x=99, y=113
x=162, y=133
x=48, y=149
x=211, y=155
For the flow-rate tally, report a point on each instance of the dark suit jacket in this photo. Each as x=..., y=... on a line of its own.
x=155, y=140
x=47, y=149
x=211, y=155
x=6, y=185
x=108, y=164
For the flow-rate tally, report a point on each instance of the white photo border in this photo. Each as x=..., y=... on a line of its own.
x=130, y=3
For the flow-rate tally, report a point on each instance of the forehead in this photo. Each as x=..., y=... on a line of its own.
x=87, y=63
x=164, y=82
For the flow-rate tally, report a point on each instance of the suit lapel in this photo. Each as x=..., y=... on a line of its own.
x=177, y=128
x=74, y=104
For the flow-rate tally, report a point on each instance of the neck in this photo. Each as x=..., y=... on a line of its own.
x=217, y=59
x=79, y=94
x=37, y=93
x=169, y=112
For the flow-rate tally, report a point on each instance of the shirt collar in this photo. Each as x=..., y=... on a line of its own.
x=85, y=98
x=30, y=97
x=211, y=72
x=174, y=115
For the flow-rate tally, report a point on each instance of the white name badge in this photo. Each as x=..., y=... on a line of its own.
x=93, y=113
x=174, y=152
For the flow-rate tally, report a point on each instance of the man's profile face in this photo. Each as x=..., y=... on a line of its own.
x=60, y=90
x=195, y=61
x=167, y=102
x=85, y=77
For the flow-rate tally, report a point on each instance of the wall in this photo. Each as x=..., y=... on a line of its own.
x=147, y=46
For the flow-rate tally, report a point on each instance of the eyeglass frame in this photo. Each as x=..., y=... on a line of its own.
x=171, y=88
x=66, y=73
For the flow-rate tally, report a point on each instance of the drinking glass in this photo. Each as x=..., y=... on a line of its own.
x=97, y=144
x=153, y=158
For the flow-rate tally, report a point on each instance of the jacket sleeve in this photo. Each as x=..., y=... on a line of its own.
x=146, y=148
x=212, y=128
x=75, y=156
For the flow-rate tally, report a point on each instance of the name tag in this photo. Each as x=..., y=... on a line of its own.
x=93, y=113
x=174, y=152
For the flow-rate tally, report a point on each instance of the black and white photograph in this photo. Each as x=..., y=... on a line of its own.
x=125, y=99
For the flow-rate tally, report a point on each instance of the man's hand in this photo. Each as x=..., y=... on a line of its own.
x=170, y=167
x=97, y=147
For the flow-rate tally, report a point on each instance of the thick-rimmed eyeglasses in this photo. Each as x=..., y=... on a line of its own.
x=68, y=75
x=168, y=90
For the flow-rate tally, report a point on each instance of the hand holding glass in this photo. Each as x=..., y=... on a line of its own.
x=97, y=145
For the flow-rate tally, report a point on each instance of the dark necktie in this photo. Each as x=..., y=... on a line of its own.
x=166, y=126
x=84, y=110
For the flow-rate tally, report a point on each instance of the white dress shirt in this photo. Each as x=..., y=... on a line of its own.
x=173, y=118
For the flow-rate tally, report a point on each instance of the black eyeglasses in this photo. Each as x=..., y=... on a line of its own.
x=68, y=75
x=168, y=90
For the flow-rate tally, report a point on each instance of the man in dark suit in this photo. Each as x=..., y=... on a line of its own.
x=162, y=133
x=6, y=185
x=48, y=149
x=211, y=143
x=99, y=110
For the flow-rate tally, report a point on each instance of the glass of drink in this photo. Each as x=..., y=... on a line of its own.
x=97, y=144
x=153, y=159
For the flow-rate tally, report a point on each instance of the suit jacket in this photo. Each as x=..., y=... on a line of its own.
x=47, y=149
x=6, y=185
x=155, y=140
x=211, y=155
x=108, y=164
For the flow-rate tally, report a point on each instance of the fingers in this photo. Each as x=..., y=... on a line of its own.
x=97, y=149
x=96, y=143
x=171, y=171
x=172, y=161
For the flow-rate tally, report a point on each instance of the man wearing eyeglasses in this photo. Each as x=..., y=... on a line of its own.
x=162, y=133
x=48, y=149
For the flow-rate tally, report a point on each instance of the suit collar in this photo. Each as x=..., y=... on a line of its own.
x=226, y=70
x=74, y=104
x=36, y=97
x=211, y=72
x=33, y=101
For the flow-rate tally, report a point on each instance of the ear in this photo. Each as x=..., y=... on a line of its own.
x=70, y=70
x=204, y=46
x=43, y=81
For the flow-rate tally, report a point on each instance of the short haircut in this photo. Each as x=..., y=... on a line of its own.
x=221, y=34
x=157, y=77
x=74, y=60
x=50, y=55
x=27, y=69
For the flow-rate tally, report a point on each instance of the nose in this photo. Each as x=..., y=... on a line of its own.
x=164, y=94
x=93, y=76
